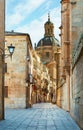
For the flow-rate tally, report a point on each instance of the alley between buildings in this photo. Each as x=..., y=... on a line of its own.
x=43, y=116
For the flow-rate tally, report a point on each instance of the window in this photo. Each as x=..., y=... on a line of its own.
x=6, y=92
x=47, y=54
x=5, y=68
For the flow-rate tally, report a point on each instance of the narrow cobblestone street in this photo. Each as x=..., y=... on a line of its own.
x=44, y=116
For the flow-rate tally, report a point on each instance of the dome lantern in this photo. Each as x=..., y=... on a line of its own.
x=49, y=27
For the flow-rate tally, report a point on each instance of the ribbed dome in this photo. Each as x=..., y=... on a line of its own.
x=48, y=41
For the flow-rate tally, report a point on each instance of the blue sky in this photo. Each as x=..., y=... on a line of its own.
x=29, y=16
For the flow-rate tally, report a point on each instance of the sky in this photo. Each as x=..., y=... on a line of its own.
x=29, y=16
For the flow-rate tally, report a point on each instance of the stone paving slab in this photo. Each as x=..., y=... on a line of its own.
x=44, y=116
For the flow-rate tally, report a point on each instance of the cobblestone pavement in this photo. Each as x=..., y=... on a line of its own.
x=44, y=116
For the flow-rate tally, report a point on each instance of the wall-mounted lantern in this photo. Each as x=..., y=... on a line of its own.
x=11, y=49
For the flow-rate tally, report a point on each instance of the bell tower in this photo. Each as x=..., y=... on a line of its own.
x=49, y=27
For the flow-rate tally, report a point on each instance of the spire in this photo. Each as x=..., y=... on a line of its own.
x=49, y=16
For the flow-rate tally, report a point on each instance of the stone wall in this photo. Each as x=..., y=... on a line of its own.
x=77, y=91
x=76, y=28
x=76, y=88
x=16, y=75
x=63, y=95
x=64, y=87
x=72, y=53
x=2, y=10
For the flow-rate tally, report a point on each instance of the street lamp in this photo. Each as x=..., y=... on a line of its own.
x=11, y=50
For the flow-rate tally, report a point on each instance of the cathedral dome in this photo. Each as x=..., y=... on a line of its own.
x=48, y=41
x=49, y=38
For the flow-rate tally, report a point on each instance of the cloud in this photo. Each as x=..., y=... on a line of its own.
x=36, y=27
x=21, y=11
x=28, y=6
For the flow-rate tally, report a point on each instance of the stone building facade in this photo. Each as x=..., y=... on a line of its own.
x=49, y=50
x=63, y=90
x=17, y=70
x=70, y=91
x=2, y=30
x=40, y=77
x=76, y=88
